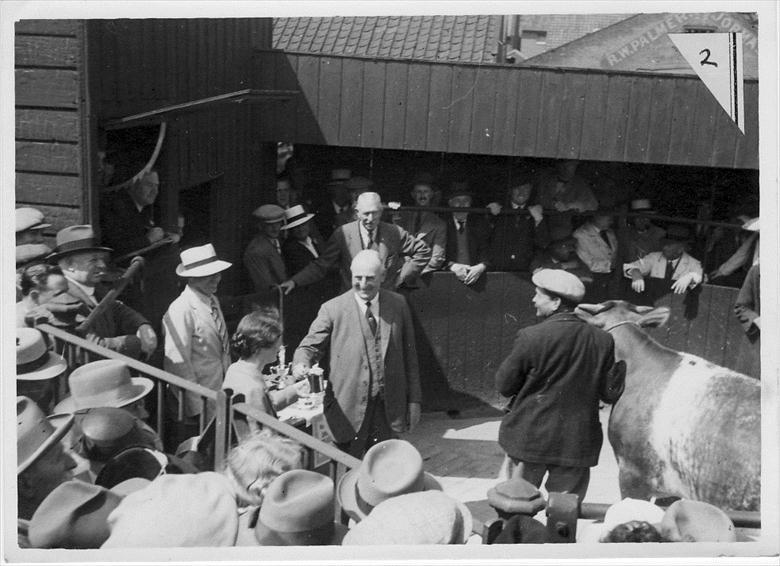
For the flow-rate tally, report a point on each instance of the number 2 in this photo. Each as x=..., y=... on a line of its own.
x=706, y=60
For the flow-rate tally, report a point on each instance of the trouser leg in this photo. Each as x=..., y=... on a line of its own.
x=568, y=479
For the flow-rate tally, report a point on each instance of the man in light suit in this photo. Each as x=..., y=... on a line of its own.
x=263, y=256
x=597, y=247
x=392, y=242
x=374, y=388
x=196, y=337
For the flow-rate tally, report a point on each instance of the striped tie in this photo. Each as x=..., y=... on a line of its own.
x=220, y=324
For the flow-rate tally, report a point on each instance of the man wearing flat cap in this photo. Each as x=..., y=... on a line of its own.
x=263, y=256
x=30, y=247
x=556, y=373
x=83, y=262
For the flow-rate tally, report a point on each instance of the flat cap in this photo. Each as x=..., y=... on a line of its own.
x=269, y=213
x=29, y=219
x=561, y=283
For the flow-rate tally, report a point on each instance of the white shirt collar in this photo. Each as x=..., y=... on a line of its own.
x=88, y=291
x=374, y=305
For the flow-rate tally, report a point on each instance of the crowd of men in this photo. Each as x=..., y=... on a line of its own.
x=362, y=251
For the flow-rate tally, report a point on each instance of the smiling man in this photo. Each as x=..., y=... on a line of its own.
x=556, y=373
x=368, y=232
x=373, y=390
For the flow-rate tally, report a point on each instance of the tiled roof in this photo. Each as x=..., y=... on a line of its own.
x=563, y=28
x=433, y=38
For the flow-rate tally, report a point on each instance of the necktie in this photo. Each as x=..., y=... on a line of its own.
x=370, y=239
x=460, y=226
x=218, y=322
x=669, y=270
x=604, y=237
x=417, y=222
x=277, y=246
x=370, y=318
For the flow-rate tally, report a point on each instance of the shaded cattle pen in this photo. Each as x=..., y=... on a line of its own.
x=466, y=332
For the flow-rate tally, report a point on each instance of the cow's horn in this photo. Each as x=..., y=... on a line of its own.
x=593, y=309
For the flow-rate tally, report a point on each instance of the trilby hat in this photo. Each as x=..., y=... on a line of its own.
x=200, y=261
x=35, y=434
x=76, y=239
x=104, y=383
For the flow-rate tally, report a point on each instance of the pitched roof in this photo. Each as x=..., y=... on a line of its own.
x=433, y=38
x=563, y=28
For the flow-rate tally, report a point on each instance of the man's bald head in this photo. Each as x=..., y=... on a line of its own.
x=369, y=210
x=367, y=273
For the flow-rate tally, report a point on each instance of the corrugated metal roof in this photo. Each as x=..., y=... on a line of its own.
x=430, y=38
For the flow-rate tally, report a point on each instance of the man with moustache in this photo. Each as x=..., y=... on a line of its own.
x=373, y=388
x=556, y=373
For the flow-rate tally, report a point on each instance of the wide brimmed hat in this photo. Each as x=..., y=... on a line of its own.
x=561, y=283
x=33, y=360
x=298, y=509
x=108, y=431
x=695, y=521
x=76, y=239
x=431, y=517
x=192, y=510
x=516, y=496
x=390, y=468
x=677, y=233
x=73, y=515
x=30, y=219
x=642, y=205
x=141, y=462
x=35, y=434
x=295, y=216
x=200, y=261
x=104, y=383
x=269, y=213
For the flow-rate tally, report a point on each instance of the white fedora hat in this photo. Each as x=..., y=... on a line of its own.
x=33, y=359
x=295, y=216
x=200, y=261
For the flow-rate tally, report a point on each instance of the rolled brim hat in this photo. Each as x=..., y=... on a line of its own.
x=295, y=216
x=138, y=388
x=76, y=239
x=34, y=362
x=200, y=261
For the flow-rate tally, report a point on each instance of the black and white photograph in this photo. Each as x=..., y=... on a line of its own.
x=392, y=276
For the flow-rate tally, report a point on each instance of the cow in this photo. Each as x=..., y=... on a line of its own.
x=683, y=427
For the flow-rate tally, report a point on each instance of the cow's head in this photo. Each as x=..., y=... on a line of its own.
x=610, y=313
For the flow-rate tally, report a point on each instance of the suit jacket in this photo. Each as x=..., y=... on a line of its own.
x=297, y=256
x=327, y=220
x=654, y=265
x=557, y=371
x=514, y=241
x=478, y=236
x=594, y=251
x=393, y=244
x=264, y=264
x=341, y=328
x=193, y=347
x=432, y=231
x=123, y=227
x=116, y=326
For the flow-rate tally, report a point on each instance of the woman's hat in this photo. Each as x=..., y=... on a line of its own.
x=35, y=434
x=104, y=383
x=33, y=360
x=430, y=517
x=141, y=462
x=298, y=509
x=200, y=261
x=295, y=216
x=390, y=468
x=75, y=239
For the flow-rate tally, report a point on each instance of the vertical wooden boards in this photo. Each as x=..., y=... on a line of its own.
x=746, y=149
x=636, y=132
x=350, y=130
x=505, y=111
x=437, y=124
x=482, y=122
x=373, y=104
x=528, y=100
x=659, y=126
x=308, y=109
x=461, y=108
x=594, y=112
x=329, y=98
x=549, y=110
x=717, y=323
x=416, y=116
x=616, y=118
x=705, y=110
x=572, y=118
x=396, y=101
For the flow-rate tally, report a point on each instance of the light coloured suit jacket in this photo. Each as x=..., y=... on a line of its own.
x=654, y=265
x=342, y=328
x=393, y=244
x=193, y=348
x=594, y=251
x=264, y=264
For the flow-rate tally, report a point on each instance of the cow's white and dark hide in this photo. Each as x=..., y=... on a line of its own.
x=683, y=426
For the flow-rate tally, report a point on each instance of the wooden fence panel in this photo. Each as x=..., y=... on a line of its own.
x=37, y=189
x=47, y=125
x=46, y=51
x=48, y=88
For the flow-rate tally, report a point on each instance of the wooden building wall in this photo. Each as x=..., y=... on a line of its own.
x=148, y=64
x=466, y=332
x=505, y=110
x=52, y=141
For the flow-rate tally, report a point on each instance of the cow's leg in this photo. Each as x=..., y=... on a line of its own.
x=633, y=481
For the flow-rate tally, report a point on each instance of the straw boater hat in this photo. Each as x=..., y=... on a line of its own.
x=298, y=509
x=104, y=383
x=388, y=469
x=33, y=360
x=200, y=261
x=29, y=219
x=295, y=216
x=35, y=434
x=75, y=239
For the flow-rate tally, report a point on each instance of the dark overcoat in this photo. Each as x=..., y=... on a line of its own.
x=558, y=370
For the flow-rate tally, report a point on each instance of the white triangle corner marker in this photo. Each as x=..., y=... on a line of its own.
x=717, y=59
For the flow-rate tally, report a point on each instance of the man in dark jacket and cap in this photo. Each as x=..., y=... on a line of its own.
x=557, y=372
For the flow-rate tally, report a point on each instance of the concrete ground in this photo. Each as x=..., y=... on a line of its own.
x=463, y=453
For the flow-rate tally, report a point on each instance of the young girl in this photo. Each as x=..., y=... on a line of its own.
x=256, y=343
